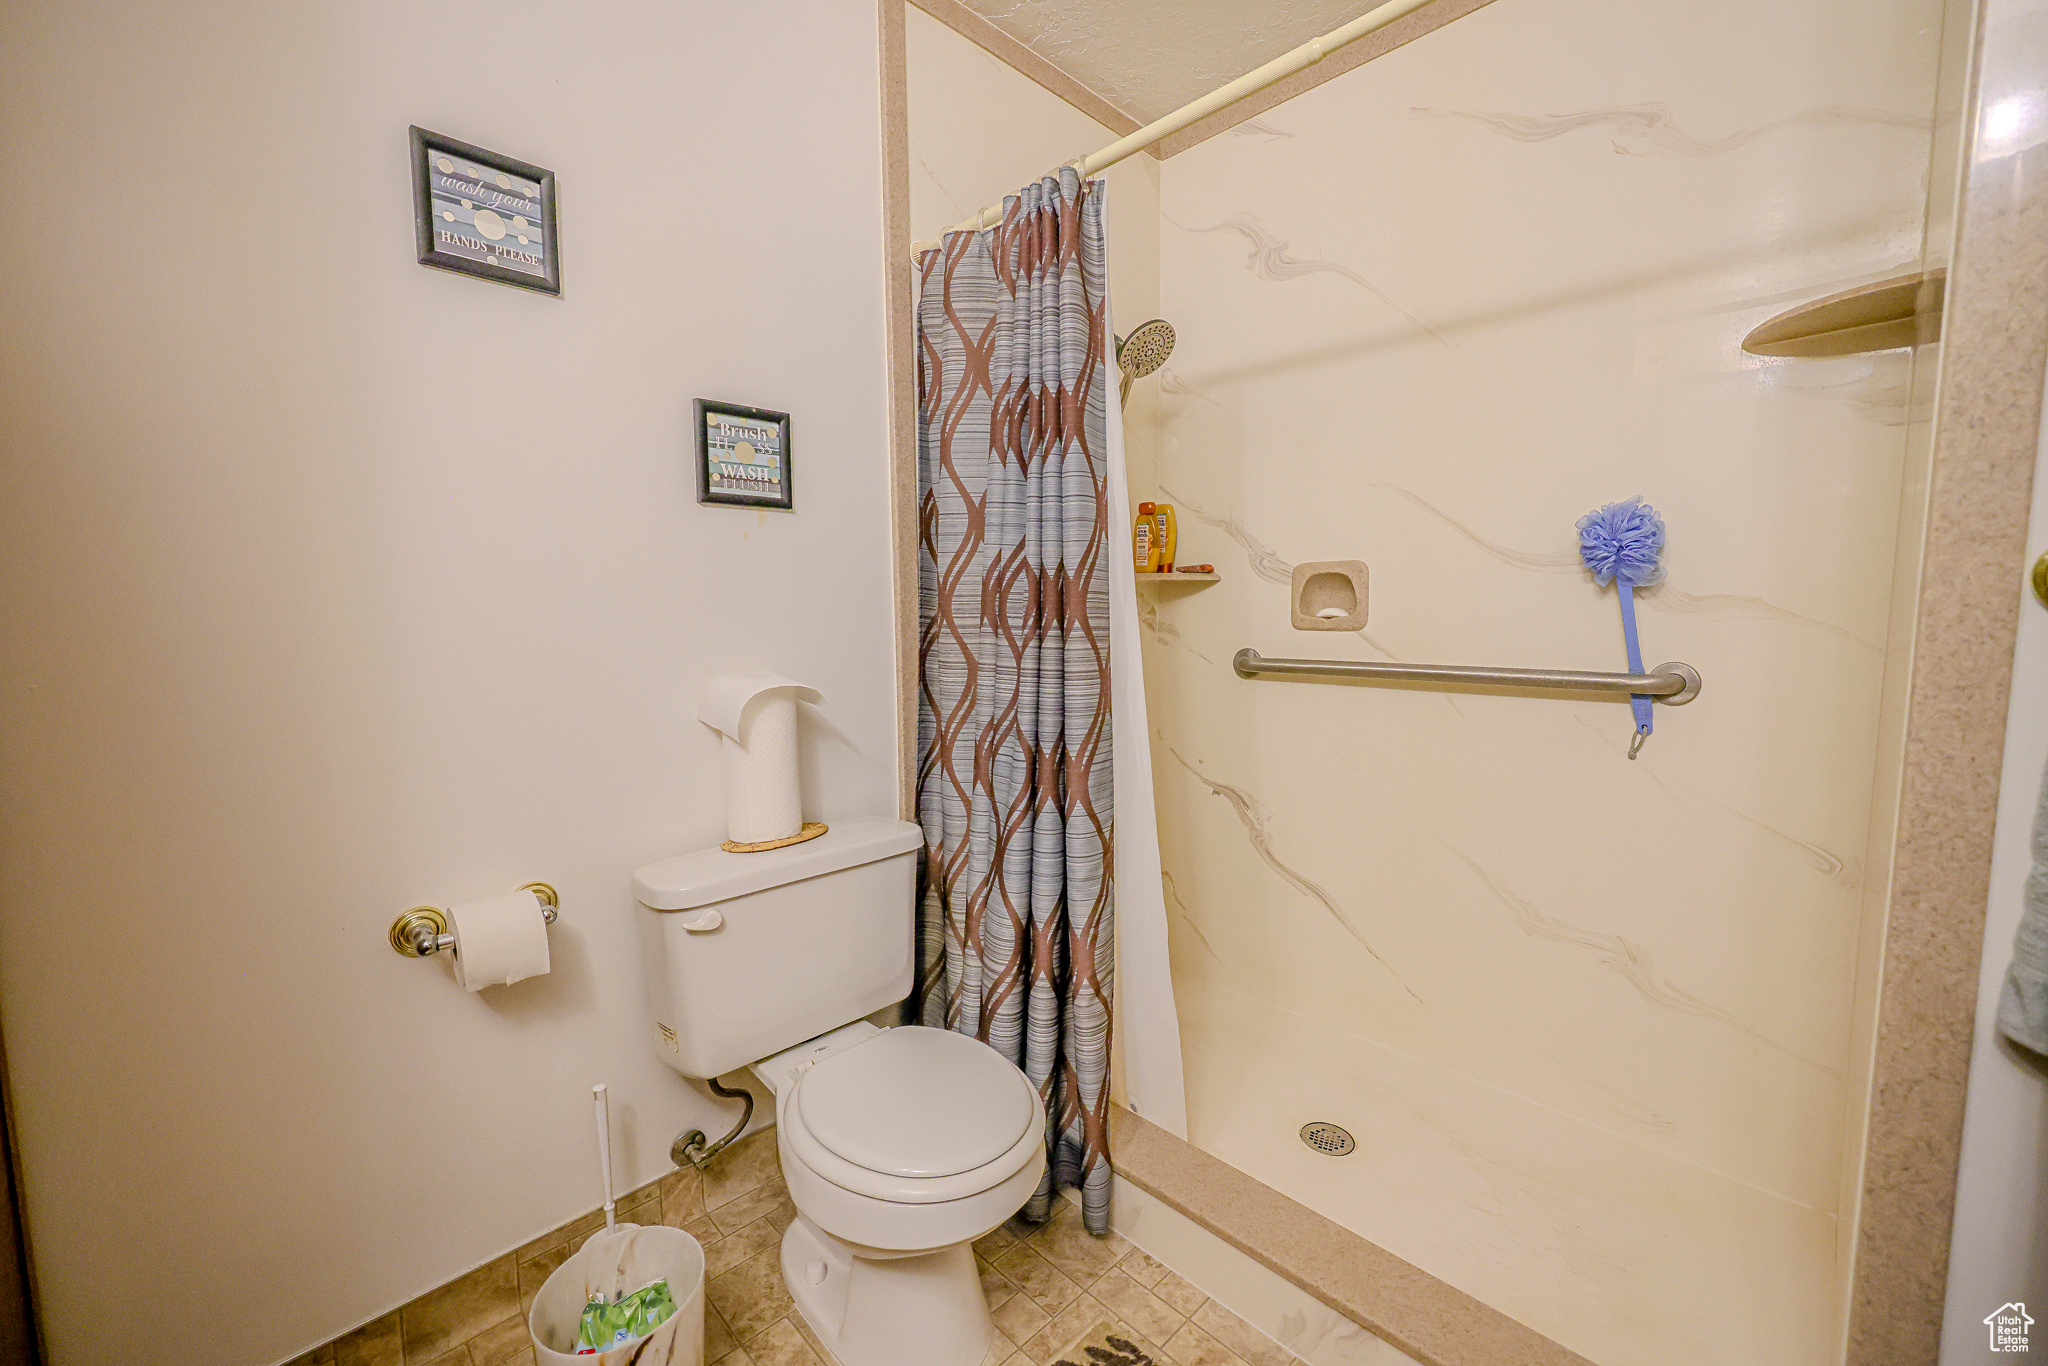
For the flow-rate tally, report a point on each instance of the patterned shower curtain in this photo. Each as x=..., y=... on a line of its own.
x=1013, y=737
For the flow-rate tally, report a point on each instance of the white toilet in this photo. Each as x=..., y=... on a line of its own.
x=900, y=1146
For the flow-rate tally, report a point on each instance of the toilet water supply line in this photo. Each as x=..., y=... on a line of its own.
x=692, y=1147
x=1620, y=543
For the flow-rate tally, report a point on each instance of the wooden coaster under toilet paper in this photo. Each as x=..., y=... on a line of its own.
x=811, y=830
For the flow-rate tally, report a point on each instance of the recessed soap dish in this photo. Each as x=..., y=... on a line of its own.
x=1328, y=595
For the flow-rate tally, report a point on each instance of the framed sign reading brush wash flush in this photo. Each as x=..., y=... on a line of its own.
x=483, y=214
x=743, y=456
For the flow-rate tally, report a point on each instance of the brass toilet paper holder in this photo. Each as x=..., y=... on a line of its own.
x=423, y=930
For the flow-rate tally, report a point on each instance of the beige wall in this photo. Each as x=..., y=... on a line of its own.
x=1591, y=1020
x=334, y=584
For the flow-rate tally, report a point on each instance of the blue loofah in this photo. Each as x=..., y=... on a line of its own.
x=1622, y=541
x=1620, y=544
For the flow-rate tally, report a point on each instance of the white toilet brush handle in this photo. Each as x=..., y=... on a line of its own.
x=604, y=1153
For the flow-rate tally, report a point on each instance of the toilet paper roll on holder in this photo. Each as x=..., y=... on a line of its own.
x=423, y=930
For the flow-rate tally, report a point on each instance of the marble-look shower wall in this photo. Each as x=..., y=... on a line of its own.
x=1589, y=1019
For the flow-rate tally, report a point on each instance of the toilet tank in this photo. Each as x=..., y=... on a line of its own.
x=749, y=954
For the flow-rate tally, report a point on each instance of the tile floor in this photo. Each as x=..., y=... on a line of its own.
x=1049, y=1286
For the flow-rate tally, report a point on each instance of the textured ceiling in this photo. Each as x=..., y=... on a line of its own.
x=1150, y=57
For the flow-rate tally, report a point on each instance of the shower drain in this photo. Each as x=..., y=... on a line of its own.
x=1331, y=1140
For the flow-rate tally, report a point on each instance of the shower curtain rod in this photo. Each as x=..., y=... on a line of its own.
x=1251, y=83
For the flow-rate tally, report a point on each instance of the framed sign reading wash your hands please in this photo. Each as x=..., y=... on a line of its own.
x=484, y=214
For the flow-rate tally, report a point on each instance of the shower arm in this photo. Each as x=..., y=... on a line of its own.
x=1673, y=684
x=1272, y=73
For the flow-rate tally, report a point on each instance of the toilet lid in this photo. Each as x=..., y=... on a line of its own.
x=917, y=1102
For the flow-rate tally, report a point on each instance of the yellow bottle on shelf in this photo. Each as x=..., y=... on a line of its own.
x=1145, y=540
x=1165, y=538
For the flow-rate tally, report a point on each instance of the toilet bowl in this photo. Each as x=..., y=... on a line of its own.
x=900, y=1147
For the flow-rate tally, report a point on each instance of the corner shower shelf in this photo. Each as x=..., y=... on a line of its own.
x=1902, y=311
x=1178, y=577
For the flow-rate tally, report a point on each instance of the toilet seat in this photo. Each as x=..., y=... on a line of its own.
x=913, y=1116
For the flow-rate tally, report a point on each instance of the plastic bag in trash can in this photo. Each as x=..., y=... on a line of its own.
x=634, y=1315
x=612, y=1264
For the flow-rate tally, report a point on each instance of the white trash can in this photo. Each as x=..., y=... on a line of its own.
x=619, y=1262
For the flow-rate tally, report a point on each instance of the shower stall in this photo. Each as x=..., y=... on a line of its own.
x=1588, y=1039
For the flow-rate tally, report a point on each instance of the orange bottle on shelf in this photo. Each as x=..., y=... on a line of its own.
x=1165, y=538
x=1145, y=540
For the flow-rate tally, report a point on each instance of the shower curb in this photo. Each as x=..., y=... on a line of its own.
x=1431, y=1320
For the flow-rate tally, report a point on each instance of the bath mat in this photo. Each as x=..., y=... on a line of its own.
x=1108, y=1344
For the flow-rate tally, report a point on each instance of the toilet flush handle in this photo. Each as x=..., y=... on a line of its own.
x=704, y=922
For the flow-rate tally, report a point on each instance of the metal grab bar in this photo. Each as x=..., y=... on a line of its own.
x=1673, y=684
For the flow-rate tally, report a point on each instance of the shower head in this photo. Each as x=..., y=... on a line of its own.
x=1144, y=350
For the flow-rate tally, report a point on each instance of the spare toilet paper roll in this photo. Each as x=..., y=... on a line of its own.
x=755, y=714
x=499, y=940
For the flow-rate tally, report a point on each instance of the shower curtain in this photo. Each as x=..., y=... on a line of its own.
x=1016, y=921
